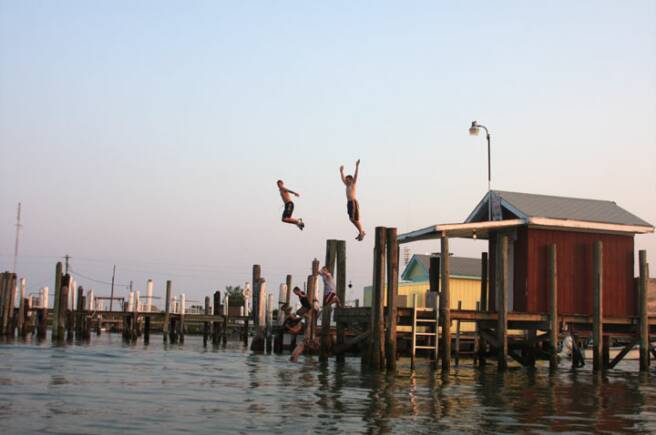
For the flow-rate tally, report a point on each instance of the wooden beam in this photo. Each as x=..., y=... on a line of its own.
x=445, y=301
x=376, y=359
x=644, y=326
x=341, y=293
x=340, y=349
x=623, y=352
x=392, y=297
x=597, y=305
x=502, y=284
x=554, y=329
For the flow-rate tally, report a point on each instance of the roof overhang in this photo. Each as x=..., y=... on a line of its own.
x=481, y=230
x=466, y=230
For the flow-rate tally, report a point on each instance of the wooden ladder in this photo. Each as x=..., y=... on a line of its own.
x=432, y=323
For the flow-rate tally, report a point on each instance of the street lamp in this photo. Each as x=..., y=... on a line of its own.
x=473, y=131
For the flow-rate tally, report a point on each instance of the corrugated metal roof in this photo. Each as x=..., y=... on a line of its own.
x=458, y=266
x=559, y=207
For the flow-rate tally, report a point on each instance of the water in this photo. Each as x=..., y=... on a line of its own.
x=111, y=387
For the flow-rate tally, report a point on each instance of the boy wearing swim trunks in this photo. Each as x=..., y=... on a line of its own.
x=289, y=206
x=352, y=205
x=329, y=288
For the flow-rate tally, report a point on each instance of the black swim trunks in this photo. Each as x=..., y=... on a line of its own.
x=353, y=209
x=289, y=209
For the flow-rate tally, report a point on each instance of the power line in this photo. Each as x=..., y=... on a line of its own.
x=98, y=281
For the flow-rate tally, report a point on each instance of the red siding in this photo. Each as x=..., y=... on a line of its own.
x=574, y=252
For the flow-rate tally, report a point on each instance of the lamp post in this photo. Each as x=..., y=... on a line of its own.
x=473, y=131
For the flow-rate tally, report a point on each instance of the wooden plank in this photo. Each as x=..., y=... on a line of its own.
x=341, y=294
x=445, y=301
x=324, y=352
x=554, y=329
x=623, y=352
x=376, y=358
x=502, y=284
x=392, y=297
x=644, y=326
x=597, y=305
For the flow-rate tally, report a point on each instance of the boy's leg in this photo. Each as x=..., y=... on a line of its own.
x=297, y=351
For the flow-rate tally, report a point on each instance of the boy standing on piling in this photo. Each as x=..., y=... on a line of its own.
x=352, y=205
x=289, y=206
x=329, y=288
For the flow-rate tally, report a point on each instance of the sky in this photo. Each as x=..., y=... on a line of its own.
x=149, y=135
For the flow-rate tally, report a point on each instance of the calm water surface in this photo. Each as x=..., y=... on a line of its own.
x=111, y=387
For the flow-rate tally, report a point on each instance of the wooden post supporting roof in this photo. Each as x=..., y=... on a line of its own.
x=597, y=305
x=392, y=297
x=376, y=359
x=644, y=325
x=502, y=284
x=553, y=307
x=341, y=293
x=331, y=253
x=445, y=307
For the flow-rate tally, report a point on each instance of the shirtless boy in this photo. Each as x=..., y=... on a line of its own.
x=289, y=206
x=352, y=205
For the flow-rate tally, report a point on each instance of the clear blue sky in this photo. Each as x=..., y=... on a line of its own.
x=150, y=134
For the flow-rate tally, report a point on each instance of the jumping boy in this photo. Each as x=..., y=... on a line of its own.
x=292, y=322
x=304, y=300
x=329, y=288
x=289, y=206
x=352, y=205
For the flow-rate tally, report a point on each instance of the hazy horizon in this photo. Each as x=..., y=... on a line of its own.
x=150, y=135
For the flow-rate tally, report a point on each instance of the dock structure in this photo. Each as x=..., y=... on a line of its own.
x=554, y=268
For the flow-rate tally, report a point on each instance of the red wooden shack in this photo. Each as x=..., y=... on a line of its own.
x=533, y=222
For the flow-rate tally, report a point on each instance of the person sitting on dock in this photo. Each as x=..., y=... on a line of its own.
x=304, y=300
x=292, y=323
x=289, y=206
x=329, y=288
x=352, y=204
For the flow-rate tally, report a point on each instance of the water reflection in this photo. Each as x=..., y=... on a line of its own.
x=168, y=387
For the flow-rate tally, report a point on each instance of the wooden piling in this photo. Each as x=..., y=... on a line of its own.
x=376, y=358
x=245, y=332
x=79, y=313
x=56, y=310
x=484, y=282
x=597, y=305
x=258, y=342
x=22, y=310
x=206, y=325
x=288, y=294
x=146, y=333
x=257, y=274
x=554, y=329
x=502, y=284
x=341, y=293
x=643, y=289
x=331, y=253
x=216, y=325
x=167, y=312
x=4, y=283
x=445, y=301
x=457, y=350
x=226, y=317
x=479, y=344
x=392, y=297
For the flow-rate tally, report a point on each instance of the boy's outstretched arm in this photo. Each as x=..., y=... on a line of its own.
x=292, y=192
x=341, y=173
x=357, y=169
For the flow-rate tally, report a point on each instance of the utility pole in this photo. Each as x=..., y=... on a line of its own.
x=111, y=297
x=66, y=257
x=18, y=227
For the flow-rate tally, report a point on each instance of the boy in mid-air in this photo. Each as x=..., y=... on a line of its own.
x=289, y=206
x=329, y=288
x=352, y=205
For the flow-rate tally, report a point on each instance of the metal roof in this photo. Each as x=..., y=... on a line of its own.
x=458, y=266
x=528, y=205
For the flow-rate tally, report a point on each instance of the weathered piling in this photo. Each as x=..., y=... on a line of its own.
x=258, y=342
x=445, y=301
x=310, y=324
x=4, y=284
x=65, y=315
x=79, y=314
x=257, y=274
x=206, y=324
x=288, y=283
x=269, y=323
x=392, y=296
x=181, y=324
x=56, y=311
x=483, y=306
x=341, y=293
x=216, y=325
x=226, y=317
x=554, y=328
x=433, y=281
x=643, y=287
x=457, y=349
x=22, y=310
x=331, y=254
x=502, y=285
x=376, y=357
x=597, y=305
x=167, y=311
x=146, y=333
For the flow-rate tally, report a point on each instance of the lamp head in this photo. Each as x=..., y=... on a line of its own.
x=474, y=130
